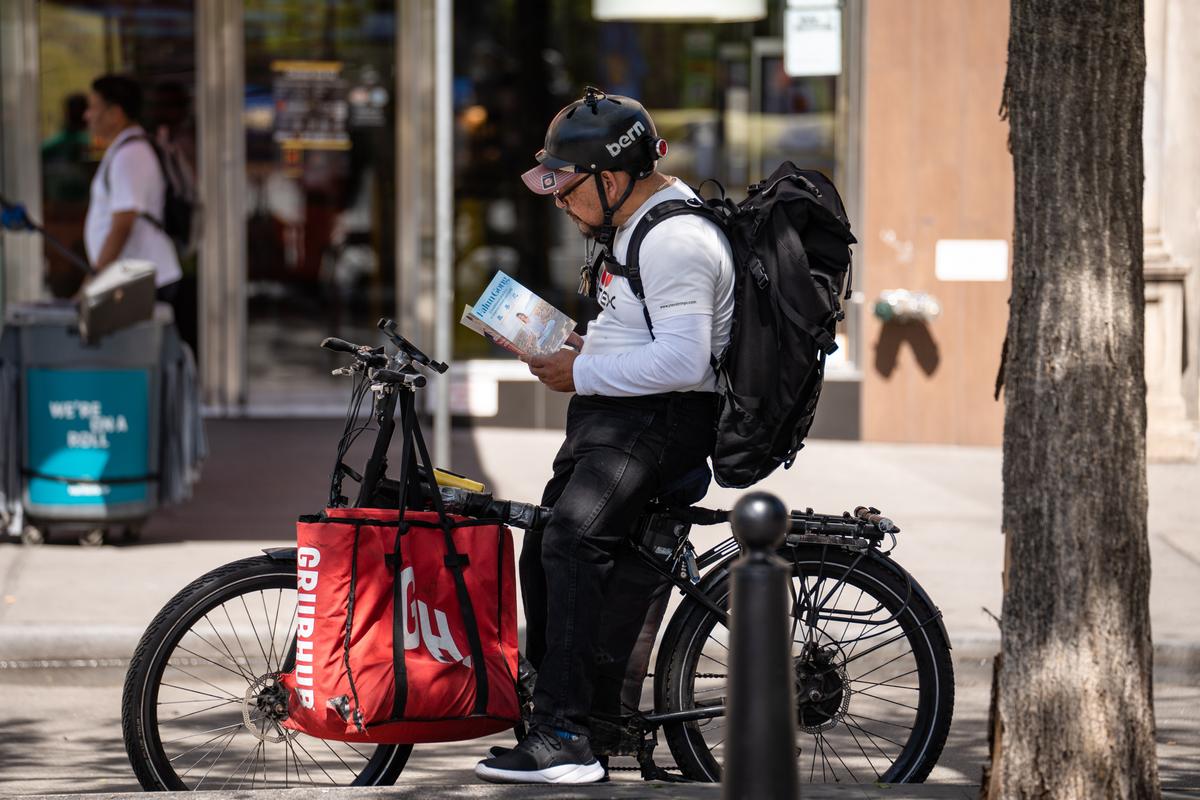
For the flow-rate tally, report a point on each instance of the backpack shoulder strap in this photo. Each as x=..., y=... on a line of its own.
x=162, y=168
x=116, y=147
x=631, y=270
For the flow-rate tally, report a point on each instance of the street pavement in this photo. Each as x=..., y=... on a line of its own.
x=70, y=616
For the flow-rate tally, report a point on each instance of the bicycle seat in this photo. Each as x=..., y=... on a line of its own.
x=689, y=488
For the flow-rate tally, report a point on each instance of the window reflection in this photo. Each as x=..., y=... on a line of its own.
x=718, y=94
x=320, y=183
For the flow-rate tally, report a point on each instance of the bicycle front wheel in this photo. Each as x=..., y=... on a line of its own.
x=201, y=707
x=874, y=679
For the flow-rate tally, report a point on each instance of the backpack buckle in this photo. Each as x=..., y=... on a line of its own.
x=761, y=278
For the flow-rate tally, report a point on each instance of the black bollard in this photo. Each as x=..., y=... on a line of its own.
x=760, y=751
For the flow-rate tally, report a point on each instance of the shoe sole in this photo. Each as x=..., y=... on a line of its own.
x=564, y=773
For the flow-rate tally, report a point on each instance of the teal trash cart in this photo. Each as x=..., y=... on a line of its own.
x=90, y=423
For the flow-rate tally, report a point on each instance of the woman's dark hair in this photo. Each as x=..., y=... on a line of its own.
x=118, y=90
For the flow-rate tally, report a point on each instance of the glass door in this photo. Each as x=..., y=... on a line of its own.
x=320, y=190
x=151, y=42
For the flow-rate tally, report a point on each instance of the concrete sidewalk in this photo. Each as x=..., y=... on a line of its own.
x=65, y=602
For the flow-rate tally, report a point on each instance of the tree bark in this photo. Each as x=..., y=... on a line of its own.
x=1075, y=718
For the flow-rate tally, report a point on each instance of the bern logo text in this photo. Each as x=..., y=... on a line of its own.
x=630, y=136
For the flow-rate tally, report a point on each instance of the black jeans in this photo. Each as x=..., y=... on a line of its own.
x=587, y=595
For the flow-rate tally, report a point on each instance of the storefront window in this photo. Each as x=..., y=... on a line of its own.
x=320, y=181
x=718, y=94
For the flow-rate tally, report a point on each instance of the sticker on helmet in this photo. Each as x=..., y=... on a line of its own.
x=660, y=148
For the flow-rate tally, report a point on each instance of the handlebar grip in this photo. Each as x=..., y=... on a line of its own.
x=338, y=345
x=871, y=516
x=481, y=504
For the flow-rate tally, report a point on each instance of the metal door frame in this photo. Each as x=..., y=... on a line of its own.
x=21, y=169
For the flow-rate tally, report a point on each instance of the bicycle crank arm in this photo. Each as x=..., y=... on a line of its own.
x=689, y=715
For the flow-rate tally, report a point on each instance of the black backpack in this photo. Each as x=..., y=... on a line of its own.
x=791, y=251
x=180, y=212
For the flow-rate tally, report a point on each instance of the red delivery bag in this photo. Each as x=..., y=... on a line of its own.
x=406, y=630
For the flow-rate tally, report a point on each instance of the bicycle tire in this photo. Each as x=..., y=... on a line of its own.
x=183, y=647
x=879, y=757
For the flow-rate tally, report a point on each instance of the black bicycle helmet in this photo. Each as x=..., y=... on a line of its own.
x=597, y=133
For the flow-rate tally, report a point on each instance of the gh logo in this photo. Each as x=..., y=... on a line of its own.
x=418, y=628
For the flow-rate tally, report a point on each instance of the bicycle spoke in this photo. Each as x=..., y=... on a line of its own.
x=198, y=678
x=253, y=750
x=868, y=733
x=846, y=629
x=316, y=763
x=270, y=632
x=296, y=762
x=236, y=638
x=235, y=725
x=253, y=627
x=197, y=700
x=214, y=763
x=897, y=637
x=202, y=694
x=237, y=672
x=202, y=710
x=889, y=684
x=226, y=653
x=836, y=755
x=338, y=757
x=197, y=747
x=880, y=721
x=863, y=750
x=884, y=664
x=884, y=699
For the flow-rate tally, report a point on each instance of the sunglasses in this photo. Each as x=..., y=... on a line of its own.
x=562, y=194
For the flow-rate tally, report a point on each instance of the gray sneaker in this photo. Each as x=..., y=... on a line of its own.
x=544, y=756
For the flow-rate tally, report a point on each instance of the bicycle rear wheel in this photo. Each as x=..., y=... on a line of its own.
x=874, y=679
x=201, y=707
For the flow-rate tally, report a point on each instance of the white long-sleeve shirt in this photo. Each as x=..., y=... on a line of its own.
x=687, y=276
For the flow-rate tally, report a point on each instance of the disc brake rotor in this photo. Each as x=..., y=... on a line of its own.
x=822, y=692
x=267, y=697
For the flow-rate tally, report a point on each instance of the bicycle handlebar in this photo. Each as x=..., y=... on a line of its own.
x=372, y=357
x=534, y=517
x=481, y=504
x=402, y=378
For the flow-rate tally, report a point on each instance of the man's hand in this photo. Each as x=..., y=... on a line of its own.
x=555, y=371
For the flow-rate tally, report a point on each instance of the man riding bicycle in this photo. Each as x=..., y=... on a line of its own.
x=641, y=424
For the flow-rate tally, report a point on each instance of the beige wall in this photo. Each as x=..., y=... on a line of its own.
x=935, y=166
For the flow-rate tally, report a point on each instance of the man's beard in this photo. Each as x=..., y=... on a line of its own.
x=588, y=231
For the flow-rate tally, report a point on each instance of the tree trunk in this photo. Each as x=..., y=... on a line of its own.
x=1074, y=692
